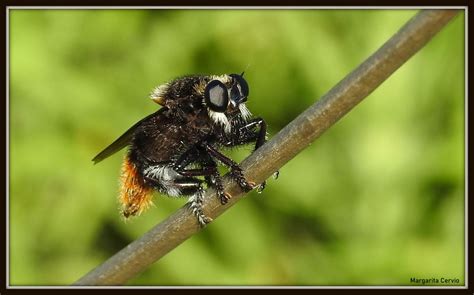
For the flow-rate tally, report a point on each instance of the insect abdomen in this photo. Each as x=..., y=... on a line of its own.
x=135, y=196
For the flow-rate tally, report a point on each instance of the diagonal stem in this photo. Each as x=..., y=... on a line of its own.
x=291, y=140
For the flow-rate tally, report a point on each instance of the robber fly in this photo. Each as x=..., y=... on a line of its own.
x=176, y=149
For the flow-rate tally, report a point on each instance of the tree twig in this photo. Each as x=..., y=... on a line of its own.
x=297, y=135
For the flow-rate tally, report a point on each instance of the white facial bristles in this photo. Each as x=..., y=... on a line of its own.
x=220, y=119
x=246, y=114
x=158, y=93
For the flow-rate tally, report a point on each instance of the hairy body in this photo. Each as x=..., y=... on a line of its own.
x=176, y=149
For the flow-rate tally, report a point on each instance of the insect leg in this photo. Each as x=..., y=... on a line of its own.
x=259, y=137
x=204, y=171
x=195, y=203
x=247, y=134
x=185, y=159
x=193, y=187
x=188, y=185
x=167, y=180
x=215, y=179
x=208, y=170
x=235, y=170
x=192, y=155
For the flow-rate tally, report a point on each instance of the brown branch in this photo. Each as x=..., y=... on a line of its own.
x=296, y=136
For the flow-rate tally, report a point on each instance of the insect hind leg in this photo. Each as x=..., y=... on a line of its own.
x=188, y=185
x=193, y=187
x=195, y=204
x=164, y=179
x=182, y=186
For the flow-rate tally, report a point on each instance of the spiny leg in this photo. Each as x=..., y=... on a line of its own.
x=221, y=194
x=260, y=140
x=235, y=170
x=195, y=204
x=215, y=179
x=259, y=136
x=193, y=186
x=208, y=170
x=195, y=155
x=247, y=134
x=186, y=158
x=184, y=186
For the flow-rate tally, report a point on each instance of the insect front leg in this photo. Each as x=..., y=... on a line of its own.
x=247, y=134
x=260, y=136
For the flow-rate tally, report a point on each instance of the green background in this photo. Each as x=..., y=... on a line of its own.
x=377, y=200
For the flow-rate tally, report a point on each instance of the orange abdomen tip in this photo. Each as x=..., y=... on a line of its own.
x=135, y=196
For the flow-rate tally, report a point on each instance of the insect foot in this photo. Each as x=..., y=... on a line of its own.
x=195, y=203
x=224, y=197
x=239, y=177
x=276, y=174
x=261, y=187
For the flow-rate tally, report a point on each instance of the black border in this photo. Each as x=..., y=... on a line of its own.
x=203, y=5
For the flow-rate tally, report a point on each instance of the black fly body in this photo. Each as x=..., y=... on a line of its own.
x=176, y=149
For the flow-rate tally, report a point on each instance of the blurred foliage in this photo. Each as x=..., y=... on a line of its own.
x=378, y=199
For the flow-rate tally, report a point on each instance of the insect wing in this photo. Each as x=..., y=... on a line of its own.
x=122, y=141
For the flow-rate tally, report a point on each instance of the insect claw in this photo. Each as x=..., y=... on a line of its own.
x=204, y=221
x=276, y=174
x=225, y=197
x=247, y=185
x=261, y=187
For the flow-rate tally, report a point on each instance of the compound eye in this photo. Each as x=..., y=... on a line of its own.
x=244, y=87
x=235, y=93
x=216, y=96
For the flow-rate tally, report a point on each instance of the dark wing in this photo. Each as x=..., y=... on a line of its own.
x=123, y=140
